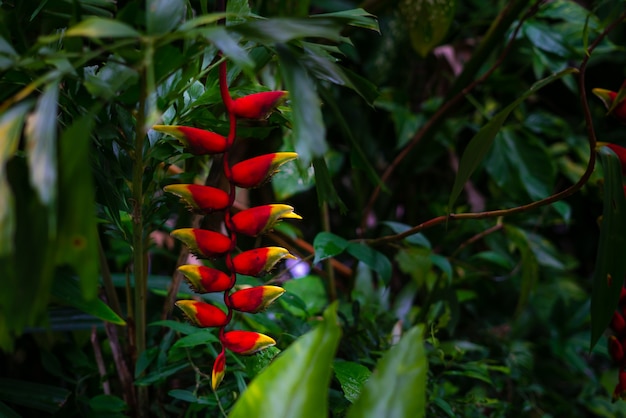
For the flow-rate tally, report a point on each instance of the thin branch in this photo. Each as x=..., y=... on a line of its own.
x=102, y=370
x=443, y=111
x=591, y=137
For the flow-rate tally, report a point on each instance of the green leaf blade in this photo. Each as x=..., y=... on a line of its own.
x=610, y=261
x=294, y=384
x=397, y=388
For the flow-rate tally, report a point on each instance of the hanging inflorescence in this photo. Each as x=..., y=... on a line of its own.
x=207, y=244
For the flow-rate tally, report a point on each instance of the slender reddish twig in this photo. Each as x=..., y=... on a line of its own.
x=440, y=114
x=591, y=137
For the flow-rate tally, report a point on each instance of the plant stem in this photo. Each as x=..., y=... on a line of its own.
x=139, y=248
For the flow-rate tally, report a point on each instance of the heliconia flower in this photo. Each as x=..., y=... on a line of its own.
x=203, y=279
x=202, y=242
x=196, y=141
x=255, y=299
x=618, y=323
x=607, y=97
x=219, y=368
x=259, y=261
x=203, y=314
x=205, y=199
x=256, y=171
x=616, y=350
x=246, y=342
x=257, y=105
x=260, y=219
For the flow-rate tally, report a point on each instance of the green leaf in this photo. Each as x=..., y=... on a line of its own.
x=36, y=396
x=309, y=131
x=294, y=384
x=182, y=327
x=397, y=388
x=199, y=338
x=354, y=17
x=481, y=142
x=98, y=27
x=529, y=265
x=41, y=144
x=107, y=403
x=282, y=30
x=6, y=412
x=415, y=239
x=374, y=259
x=230, y=47
x=77, y=232
x=428, y=22
x=610, y=261
x=11, y=123
x=163, y=15
x=310, y=290
x=67, y=291
x=326, y=192
x=327, y=244
x=351, y=377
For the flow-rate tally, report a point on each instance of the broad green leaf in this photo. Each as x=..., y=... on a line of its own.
x=236, y=11
x=428, y=22
x=610, y=261
x=67, y=291
x=519, y=161
x=77, y=233
x=41, y=144
x=308, y=289
x=163, y=15
x=282, y=30
x=351, y=377
x=481, y=142
x=27, y=272
x=354, y=17
x=98, y=27
x=295, y=383
x=309, y=131
x=397, y=388
x=107, y=403
x=11, y=123
x=327, y=244
x=32, y=395
x=529, y=265
x=374, y=259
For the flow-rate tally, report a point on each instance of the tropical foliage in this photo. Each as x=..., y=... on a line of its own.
x=459, y=187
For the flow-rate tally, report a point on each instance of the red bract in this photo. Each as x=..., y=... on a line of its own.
x=255, y=299
x=257, y=105
x=196, y=141
x=200, y=198
x=203, y=314
x=619, y=151
x=203, y=243
x=256, y=171
x=204, y=279
x=260, y=219
x=219, y=368
x=259, y=261
x=616, y=350
x=608, y=97
x=246, y=342
x=618, y=323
